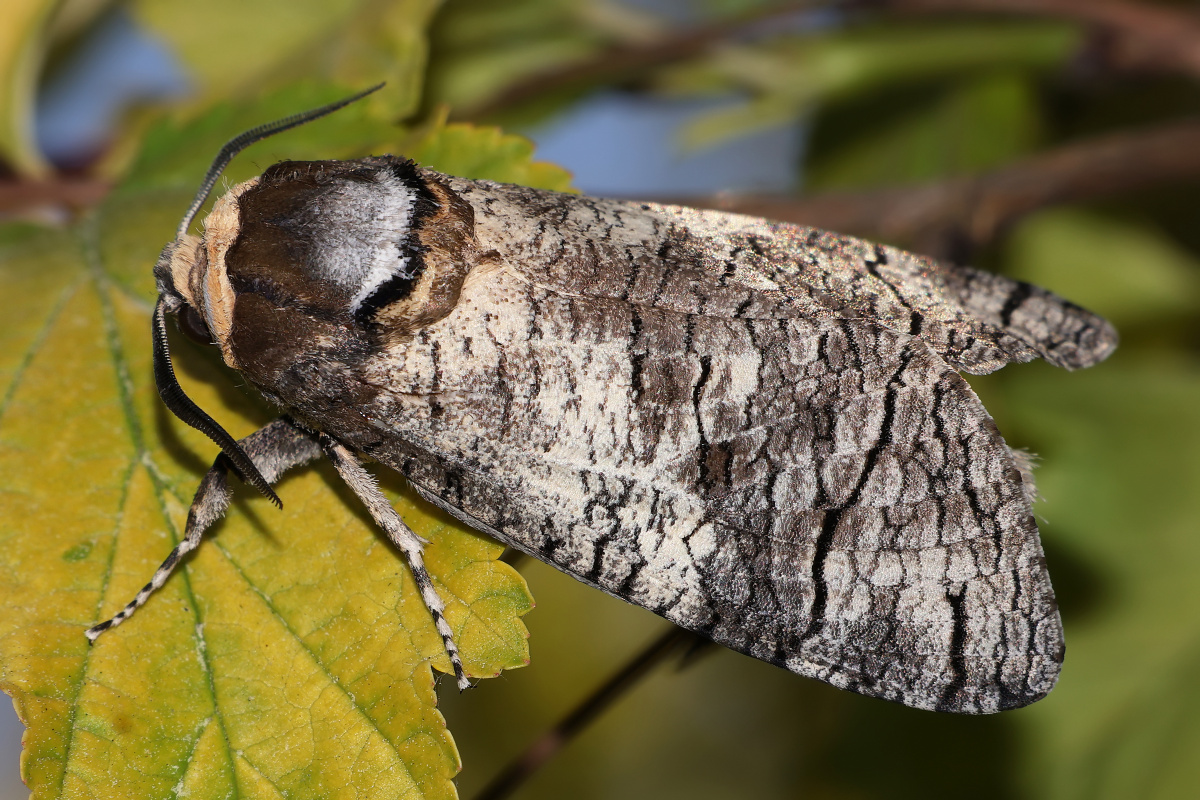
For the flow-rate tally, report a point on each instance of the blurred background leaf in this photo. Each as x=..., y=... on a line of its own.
x=483, y=47
x=1055, y=141
x=230, y=46
x=787, y=76
x=22, y=49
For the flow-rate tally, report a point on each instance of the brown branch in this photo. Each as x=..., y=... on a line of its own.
x=70, y=195
x=1142, y=35
x=972, y=210
x=625, y=61
x=549, y=743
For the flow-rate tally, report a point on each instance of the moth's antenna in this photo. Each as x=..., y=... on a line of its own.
x=240, y=142
x=181, y=405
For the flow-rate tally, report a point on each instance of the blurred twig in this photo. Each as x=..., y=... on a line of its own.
x=1140, y=35
x=626, y=61
x=66, y=194
x=549, y=743
x=971, y=211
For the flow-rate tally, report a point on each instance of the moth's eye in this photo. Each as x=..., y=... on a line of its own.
x=192, y=325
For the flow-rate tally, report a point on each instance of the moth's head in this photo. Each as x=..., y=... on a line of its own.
x=193, y=286
x=319, y=252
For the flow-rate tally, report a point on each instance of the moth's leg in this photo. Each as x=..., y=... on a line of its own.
x=363, y=484
x=274, y=449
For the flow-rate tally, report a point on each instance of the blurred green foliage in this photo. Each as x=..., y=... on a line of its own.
x=886, y=102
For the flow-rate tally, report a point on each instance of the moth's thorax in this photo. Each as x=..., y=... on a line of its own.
x=314, y=256
x=211, y=286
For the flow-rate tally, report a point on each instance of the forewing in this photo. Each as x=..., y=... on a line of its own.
x=883, y=529
x=716, y=263
x=822, y=493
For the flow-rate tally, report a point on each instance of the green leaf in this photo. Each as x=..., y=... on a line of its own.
x=1120, y=446
x=1138, y=276
x=228, y=46
x=290, y=655
x=787, y=77
x=22, y=49
x=252, y=37
x=480, y=47
x=923, y=134
x=232, y=47
x=384, y=41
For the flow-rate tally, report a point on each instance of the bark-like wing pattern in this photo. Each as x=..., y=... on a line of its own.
x=823, y=493
x=710, y=262
x=754, y=429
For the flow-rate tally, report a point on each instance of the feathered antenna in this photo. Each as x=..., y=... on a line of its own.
x=243, y=140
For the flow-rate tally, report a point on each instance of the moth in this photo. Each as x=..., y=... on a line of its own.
x=756, y=430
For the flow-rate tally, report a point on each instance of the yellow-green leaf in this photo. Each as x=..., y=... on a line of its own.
x=486, y=152
x=290, y=655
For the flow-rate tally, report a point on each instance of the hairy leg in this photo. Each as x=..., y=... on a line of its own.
x=274, y=449
x=363, y=484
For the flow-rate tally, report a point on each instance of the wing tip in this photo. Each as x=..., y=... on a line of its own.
x=1095, y=341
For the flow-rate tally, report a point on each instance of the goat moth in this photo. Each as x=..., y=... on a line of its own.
x=753, y=429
